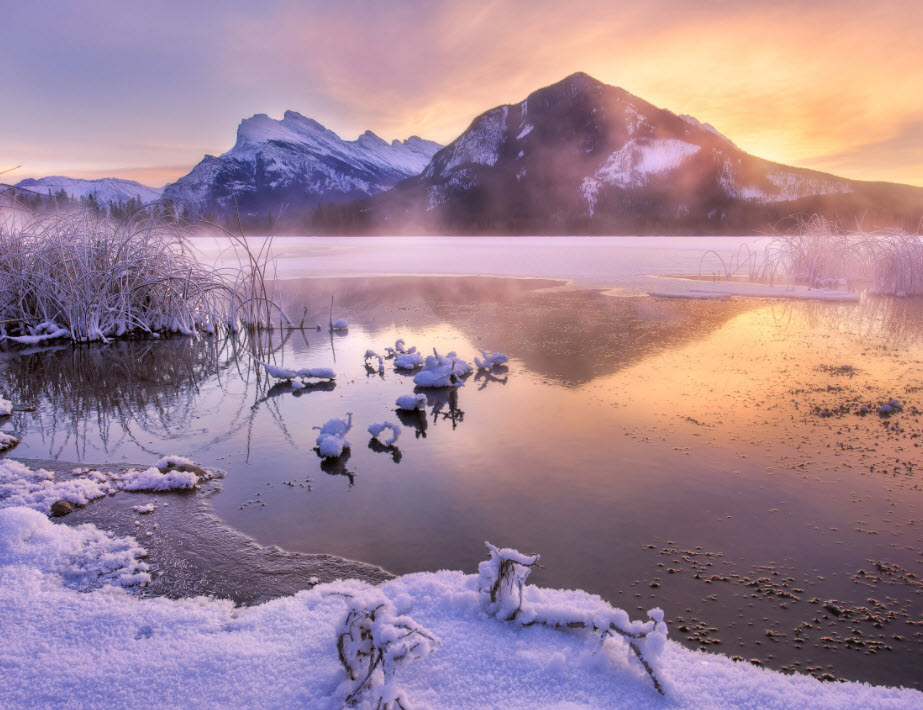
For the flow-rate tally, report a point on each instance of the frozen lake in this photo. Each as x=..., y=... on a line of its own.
x=701, y=456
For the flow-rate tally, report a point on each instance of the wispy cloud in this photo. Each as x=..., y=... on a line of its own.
x=824, y=84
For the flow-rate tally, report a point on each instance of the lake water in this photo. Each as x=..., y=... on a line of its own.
x=701, y=456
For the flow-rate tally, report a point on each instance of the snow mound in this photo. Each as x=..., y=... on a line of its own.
x=411, y=402
x=7, y=441
x=442, y=371
x=490, y=360
x=331, y=442
x=84, y=557
x=408, y=361
x=376, y=429
x=6, y=407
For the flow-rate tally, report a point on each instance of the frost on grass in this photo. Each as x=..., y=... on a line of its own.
x=373, y=643
x=332, y=438
x=501, y=586
x=442, y=371
x=490, y=360
x=83, y=556
x=376, y=429
x=411, y=402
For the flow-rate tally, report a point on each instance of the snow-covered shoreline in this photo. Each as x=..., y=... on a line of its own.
x=108, y=648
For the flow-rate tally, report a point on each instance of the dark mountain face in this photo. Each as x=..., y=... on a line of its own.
x=295, y=164
x=583, y=157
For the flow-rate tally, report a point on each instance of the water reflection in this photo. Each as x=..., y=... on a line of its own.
x=497, y=373
x=337, y=466
x=415, y=420
x=391, y=449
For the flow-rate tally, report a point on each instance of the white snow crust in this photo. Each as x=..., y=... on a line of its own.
x=108, y=648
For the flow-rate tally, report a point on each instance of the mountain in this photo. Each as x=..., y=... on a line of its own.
x=582, y=157
x=295, y=164
x=106, y=190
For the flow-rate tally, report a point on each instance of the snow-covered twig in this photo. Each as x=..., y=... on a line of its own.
x=501, y=584
x=373, y=643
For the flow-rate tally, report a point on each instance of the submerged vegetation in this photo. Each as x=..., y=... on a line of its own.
x=87, y=277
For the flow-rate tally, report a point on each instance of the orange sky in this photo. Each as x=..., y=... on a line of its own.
x=136, y=91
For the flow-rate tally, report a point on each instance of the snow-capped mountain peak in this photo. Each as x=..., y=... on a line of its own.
x=296, y=162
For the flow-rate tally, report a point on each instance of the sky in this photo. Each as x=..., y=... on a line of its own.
x=143, y=90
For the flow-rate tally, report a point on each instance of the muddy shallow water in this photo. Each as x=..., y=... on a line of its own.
x=705, y=457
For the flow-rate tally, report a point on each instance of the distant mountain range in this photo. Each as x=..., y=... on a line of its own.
x=105, y=190
x=296, y=164
x=576, y=157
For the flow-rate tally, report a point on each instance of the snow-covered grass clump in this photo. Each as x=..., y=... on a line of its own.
x=442, y=371
x=6, y=407
x=490, y=360
x=7, y=441
x=408, y=361
x=411, y=402
x=331, y=442
x=298, y=378
x=821, y=255
x=376, y=429
x=82, y=557
x=108, y=648
x=372, y=355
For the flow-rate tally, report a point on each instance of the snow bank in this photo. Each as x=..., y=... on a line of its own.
x=107, y=648
x=81, y=557
x=38, y=489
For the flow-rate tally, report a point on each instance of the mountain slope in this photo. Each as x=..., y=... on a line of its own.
x=584, y=157
x=106, y=190
x=296, y=163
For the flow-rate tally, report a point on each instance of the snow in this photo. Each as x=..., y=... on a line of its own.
x=635, y=162
x=6, y=407
x=108, y=648
x=331, y=442
x=480, y=144
x=408, y=361
x=376, y=429
x=144, y=509
x=39, y=488
x=442, y=371
x=526, y=130
x=339, y=324
x=105, y=189
x=283, y=373
x=411, y=402
x=80, y=557
x=298, y=152
x=7, y=441
x=490, y=360
x=727, y=289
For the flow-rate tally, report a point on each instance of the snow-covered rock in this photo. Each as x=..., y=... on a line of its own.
x=490, y=360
